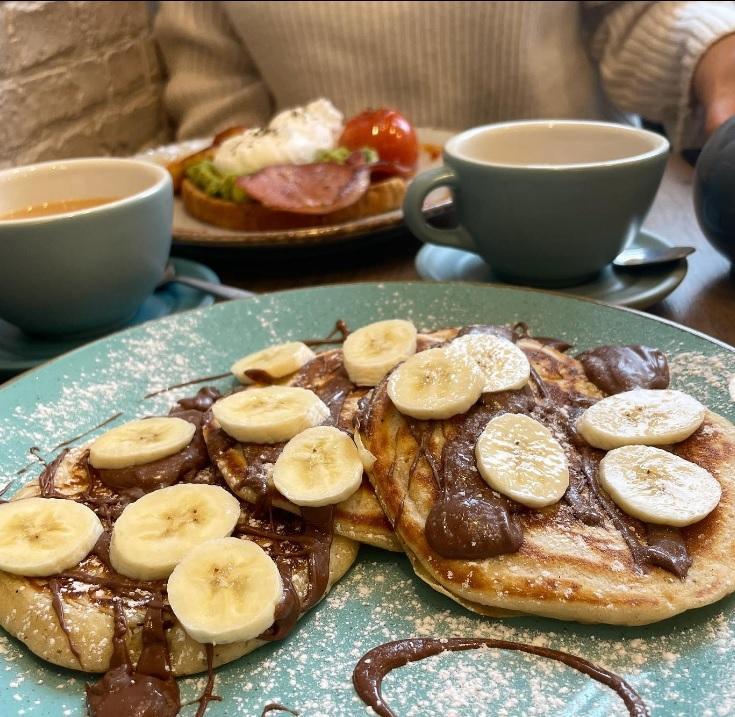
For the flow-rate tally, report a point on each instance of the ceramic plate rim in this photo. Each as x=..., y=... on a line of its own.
x=380, y=284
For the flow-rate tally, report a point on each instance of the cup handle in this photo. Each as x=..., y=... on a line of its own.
x=420, y=186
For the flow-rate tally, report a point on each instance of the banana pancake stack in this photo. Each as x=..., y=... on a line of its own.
x=515, y=478
x=132, y=557
x=306, y=391
x=516, y=484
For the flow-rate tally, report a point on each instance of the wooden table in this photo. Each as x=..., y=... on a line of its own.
x=705, y=300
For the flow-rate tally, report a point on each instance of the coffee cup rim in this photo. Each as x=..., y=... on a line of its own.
x=159, y=175
x=660, y=145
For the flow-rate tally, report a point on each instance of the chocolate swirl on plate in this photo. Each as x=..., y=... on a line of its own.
x=378, y=662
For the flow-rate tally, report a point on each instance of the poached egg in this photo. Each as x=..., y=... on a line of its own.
x=294, y=136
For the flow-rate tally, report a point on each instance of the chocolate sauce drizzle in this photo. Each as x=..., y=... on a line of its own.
x=36, y=452
x=336, y=336
x=192, y=382
x=69, y=441
x=208, y=695
x=46, y=479
x=277, y=707
x=58, y=605
x=378, y=662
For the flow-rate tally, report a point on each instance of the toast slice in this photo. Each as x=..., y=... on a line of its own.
x=383, y=196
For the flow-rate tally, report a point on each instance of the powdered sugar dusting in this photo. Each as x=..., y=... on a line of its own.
x=690, y=370
x=681, y=667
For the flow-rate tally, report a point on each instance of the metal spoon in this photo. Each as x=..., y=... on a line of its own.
x=221, y=291
x=645, y=257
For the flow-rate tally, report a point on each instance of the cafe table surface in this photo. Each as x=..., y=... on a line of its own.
x=704, y=301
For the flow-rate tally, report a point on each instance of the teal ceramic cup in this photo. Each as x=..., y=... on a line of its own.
x=85, y=270
x=546, y=203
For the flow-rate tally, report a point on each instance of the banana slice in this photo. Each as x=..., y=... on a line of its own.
x=269, y=415
x=138, y=442
x=276, y=361
x=503, y=364
x=372, y=351
x=43, y=536
x=657, y=486
x=435, y=383
x=156, y=531
x=520, y=458
x=225, y=591
x=320, y=466
x=642, y=416
x=367, y=458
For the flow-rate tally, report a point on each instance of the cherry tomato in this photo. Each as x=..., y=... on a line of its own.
x=390, y=134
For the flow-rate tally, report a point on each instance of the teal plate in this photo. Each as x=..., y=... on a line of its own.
x=681, y=667
x=19, y=351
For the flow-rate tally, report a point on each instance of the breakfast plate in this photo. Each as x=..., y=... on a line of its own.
x=190, y=231
x=680, y=667
x=635, y=288
x=20, y=351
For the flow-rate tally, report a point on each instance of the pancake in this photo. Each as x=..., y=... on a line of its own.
x=247, y=467
x=89, y=592
x=580, y=559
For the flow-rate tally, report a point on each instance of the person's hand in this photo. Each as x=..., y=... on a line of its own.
x=714, y=83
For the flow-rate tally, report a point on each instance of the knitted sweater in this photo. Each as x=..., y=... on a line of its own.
x=443, y=64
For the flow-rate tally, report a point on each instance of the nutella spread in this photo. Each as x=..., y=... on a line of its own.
x=182, y=466
x=470, y=520
x=146, y=690
x=614, y=369
x=202, y=401
x=333, y=385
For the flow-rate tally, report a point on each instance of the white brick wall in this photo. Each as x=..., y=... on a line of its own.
x=77, y=79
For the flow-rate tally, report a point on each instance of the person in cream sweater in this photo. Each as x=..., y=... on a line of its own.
x=452, y=64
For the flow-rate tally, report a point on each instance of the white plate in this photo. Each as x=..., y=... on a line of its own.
x=187, y=230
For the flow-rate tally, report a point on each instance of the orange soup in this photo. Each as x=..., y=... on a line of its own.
x=46, y=208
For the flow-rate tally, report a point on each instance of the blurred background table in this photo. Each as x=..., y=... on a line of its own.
x=704, y=301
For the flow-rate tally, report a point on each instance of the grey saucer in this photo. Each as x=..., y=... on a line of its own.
x=19, y=351
x=636, y=288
